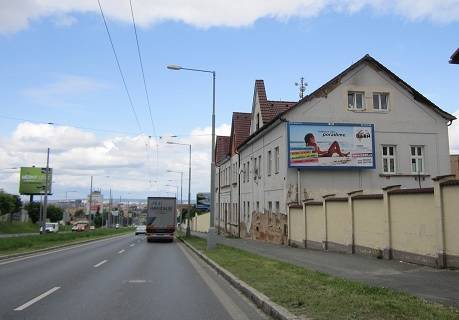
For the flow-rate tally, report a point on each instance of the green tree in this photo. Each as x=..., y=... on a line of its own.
x=9, y=203
x=79, y=213
x=33, y=209
x=98, y=220
x=54, y=213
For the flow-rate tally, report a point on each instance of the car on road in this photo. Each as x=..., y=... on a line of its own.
x=50, y=227
x=141, y=230
x=80, y=226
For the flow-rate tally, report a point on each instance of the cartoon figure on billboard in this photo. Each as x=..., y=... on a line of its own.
x=334, y=148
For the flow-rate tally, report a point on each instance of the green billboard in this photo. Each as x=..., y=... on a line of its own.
x=32, y=180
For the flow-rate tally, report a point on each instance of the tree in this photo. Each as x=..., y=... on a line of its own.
x=9, y=203
x=98, y=220
x=79, y=213
x=54, y=213
x=33, y=209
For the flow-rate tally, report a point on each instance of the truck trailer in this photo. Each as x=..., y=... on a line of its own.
x=161, y=218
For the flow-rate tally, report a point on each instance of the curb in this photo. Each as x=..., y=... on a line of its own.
x=23, y=254
x=260, y=300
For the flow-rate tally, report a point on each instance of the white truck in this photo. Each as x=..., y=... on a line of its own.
x=161, y=218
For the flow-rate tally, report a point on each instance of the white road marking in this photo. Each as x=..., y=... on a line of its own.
x=99, y=264
x=36, y=299
x=132, y=245
x=233, y=310
x=121, y=251
x=137, y=281
x=59, y=250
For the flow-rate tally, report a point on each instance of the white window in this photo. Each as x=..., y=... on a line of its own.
x=248, y=171
x=270, y=160
x=381, y=101
x=356, y=100
x=255, y=169
x=417, y=159
x=248, y=209
x=243, y=173
x=244, y=209
x=389, y=159
x=276, y=160
x=277, y=207
x=258, y=206
x=259, y=166
x=270, y=206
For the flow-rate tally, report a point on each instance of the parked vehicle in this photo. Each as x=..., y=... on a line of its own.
x=161, y=218
x=140, y=230
x=80, y=226
x=50, y=227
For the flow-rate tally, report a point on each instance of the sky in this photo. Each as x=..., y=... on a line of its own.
x=61, y=87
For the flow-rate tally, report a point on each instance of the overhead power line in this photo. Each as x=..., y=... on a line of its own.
x=119, y=68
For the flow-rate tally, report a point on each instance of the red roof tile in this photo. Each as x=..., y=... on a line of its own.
x=221, y=148
x=270, y=108
x=240, y=129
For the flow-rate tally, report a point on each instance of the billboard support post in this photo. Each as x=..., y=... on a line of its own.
x=45, y=200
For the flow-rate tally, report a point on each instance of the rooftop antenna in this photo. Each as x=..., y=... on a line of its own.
x=302, y=86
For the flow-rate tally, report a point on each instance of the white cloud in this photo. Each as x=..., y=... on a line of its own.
x=131, y=165
x=17, y=15
x=64, y=90
x=454, y=135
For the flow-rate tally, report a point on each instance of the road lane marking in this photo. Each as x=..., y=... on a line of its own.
x=36, y=299
x=132, y=245
x=59, y=250
x=121, y=251
x=100, y=263
x=230, y=306
x=137, y=281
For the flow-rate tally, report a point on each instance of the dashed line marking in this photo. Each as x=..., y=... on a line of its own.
x=36, y=299
x=121, y=251
x=133, y=244
x=100, y=263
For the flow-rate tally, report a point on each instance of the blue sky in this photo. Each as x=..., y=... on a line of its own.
x=61, y=69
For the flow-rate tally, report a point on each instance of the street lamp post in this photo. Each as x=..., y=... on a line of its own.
x=211, y=235
x=188, y=231
x=181, y=184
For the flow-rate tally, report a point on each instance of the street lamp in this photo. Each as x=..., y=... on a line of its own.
x=211, y=235
x=173, y=186
x=188, y=231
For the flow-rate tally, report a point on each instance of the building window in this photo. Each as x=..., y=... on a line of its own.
x=380, y=101
x=269, y=164
x=258, y=121
x=356, y=100
x=417, y=159
x=258, y=206
x=255, y=169
x=270, y=206
x=388, y=159
x=244, y=209
x=248, y=171
x=276, y=160
x=259, y=167
x=243, y=173
x=277, y=207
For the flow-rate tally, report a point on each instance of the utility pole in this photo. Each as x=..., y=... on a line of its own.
x=45, y=201
x=90, y=203
x=188, y=231
x=109, y=216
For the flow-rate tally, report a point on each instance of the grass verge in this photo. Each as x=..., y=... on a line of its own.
x=30, y=243
x=318, y=295
x=18, y=227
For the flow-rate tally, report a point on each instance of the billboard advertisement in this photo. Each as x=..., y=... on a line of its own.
x=325, y=145
x=203, y=201
x=32, y=180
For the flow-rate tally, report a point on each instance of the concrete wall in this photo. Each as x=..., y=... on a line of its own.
x=451, y=214
x=338, y=225
x=413, y=225
x=315, y=226
x=201, y=223
x=369, y=226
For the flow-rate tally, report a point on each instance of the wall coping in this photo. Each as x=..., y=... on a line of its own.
x=337, y=199
x=295, y=206
x=412, y=191
x=450, y=183
x=325, y=196
x=354, y=192
x=368, y=196
x=438, y=178
x=392, y=186
x=313, y=203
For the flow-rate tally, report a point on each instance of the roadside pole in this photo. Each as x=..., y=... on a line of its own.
x=45, y=201
x=109, y=216
x=90, y=203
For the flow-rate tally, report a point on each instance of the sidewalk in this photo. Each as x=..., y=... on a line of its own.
x=425, y=282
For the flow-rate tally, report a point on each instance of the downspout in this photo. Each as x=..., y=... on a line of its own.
x=238, y=195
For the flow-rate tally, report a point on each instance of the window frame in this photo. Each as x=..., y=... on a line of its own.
x=417, y=157
x=276, y=160
x=388, y=157
x=269, y=161
x=354, y=100
x=379, y=94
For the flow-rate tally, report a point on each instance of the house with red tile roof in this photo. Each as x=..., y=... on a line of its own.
x=365, y=129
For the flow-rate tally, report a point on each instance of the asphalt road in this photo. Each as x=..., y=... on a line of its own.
x=121, y=278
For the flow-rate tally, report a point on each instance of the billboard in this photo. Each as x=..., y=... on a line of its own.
x=325, y=145
x=203, y=201
x=32, y=180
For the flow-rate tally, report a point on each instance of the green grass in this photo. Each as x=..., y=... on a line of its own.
x=31, y=243
x=318, y=295
x=18, y=227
